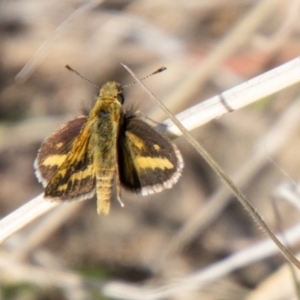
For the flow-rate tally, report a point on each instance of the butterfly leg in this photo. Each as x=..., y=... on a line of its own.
x=118, y=183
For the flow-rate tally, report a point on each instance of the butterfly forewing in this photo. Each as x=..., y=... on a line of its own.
x=55, y=148
x=65, y=166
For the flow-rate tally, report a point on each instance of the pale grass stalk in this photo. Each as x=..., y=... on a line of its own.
x=46, y=227
x=235, y=98
x=241, y=32
x=268, y=145
x=220, y=172
x=24, y=215
x=192, y=282
x=289, y=192
x=14, y=270
x=46, y=47
x=246, y=93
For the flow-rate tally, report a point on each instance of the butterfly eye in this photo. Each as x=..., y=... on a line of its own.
x=121, y=98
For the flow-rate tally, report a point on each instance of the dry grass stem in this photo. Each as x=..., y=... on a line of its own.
x=167, y=245
x=264, y=249
x=252, y=90
x=268, y=145
x=199, y=73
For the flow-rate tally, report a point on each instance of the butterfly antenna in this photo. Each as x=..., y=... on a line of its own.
x=81, y=76
x=153, y=73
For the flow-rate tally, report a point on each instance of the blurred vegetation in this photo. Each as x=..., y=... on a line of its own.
x=130, y=244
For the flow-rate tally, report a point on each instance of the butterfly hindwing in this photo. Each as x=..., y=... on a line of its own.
x=148, y=162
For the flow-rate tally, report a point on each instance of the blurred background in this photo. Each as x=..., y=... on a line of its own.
x=71, y=252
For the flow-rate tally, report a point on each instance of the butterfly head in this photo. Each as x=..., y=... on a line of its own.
x=111, y=90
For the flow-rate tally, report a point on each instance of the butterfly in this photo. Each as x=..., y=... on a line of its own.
x=83, y=156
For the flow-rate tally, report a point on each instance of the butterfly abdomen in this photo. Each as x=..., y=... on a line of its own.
x=104, y=184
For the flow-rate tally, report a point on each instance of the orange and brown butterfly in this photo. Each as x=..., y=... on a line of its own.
x=83, y=156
